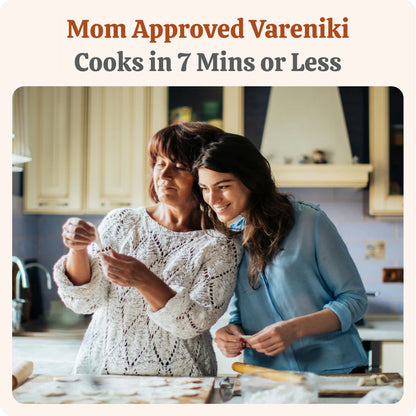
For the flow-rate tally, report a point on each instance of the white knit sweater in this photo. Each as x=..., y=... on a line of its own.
x=125, y=336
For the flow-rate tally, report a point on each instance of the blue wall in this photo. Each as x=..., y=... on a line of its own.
x=348, y=209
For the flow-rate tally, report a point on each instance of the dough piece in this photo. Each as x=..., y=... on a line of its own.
x=97, y=237
x=154, y=383
x=52, y=391
x=91, y=392
x=125, y=392
x=373, y=380
x=85, y=400
x=190, y=381
x=138, y=402
x=382, y=380
x=66, y=379
x=190, y=394
x=247, y=339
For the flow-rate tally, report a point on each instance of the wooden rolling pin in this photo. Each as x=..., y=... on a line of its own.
x=267, y=372
x=21, y=372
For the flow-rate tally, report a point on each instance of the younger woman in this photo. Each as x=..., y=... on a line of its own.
x=298, y=291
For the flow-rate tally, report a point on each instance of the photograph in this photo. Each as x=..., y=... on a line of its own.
x=208, y=244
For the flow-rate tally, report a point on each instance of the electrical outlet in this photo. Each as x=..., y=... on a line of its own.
x=393, y=275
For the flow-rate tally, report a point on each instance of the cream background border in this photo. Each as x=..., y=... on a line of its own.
x=380, y=51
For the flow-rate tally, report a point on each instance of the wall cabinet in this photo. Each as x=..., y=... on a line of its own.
x=117, y=139
x=55, y=125
x=88, y=148
x=89, y=145
x=386, y=151
x=392, y=357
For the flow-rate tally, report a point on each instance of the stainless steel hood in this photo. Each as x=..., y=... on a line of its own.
x=300, y=120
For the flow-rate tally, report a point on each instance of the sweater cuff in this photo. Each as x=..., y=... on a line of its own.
x=173, y=308
x=64, y=283
x=343, y=314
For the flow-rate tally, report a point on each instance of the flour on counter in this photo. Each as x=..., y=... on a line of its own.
x=285, y=393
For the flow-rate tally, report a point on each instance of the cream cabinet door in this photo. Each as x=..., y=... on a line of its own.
x=392, y=357
x=53, y=180
x=117, y=137
x=381, y=201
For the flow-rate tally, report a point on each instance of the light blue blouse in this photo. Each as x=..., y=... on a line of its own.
x=314, y=271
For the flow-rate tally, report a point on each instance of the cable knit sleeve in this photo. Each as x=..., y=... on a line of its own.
x=84, y=299
x=87, y=298
x=194, y=310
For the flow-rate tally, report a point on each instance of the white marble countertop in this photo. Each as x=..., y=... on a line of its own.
x=382, y=328
x=54, y=353
x=50, y=356
x=56, y=357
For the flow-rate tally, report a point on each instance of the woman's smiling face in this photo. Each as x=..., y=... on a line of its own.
x=224, y=193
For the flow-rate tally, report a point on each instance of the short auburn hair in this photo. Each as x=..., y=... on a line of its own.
x=181, y=143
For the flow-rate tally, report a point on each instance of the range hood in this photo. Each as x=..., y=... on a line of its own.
x=300, y=120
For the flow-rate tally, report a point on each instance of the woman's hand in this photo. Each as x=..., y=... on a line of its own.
x=77, y=234
x=229, y=341
x=125, y=270
x=275, y=338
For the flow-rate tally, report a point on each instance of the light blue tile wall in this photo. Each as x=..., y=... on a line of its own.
x=348, y=209
x=25, y=231
x=38, y=236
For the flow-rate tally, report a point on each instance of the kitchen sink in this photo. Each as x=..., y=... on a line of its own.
x=42, y=329
x=52, y=333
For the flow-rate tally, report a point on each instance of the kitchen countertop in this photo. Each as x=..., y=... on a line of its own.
x=382, y=328
x=55, y=357
x=54, y=352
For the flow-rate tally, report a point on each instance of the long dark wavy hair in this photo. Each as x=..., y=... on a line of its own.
x=269, y=215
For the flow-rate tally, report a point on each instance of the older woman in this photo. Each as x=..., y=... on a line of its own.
x=159, y=282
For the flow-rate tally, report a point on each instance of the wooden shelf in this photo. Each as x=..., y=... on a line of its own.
x=322, y=176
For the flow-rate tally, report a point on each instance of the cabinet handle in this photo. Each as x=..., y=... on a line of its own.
x=52, y=203
x=116, y=204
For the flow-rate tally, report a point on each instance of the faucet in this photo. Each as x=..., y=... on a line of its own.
x=21, y=279
x=40, y=266
x=21, y=276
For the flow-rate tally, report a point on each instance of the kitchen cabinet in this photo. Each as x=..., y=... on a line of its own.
x=382, y=338
x=89, y=145
x=55, y=125
x=116, y=148
x=386, y=151
x=88, y=148
x=392, y=357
